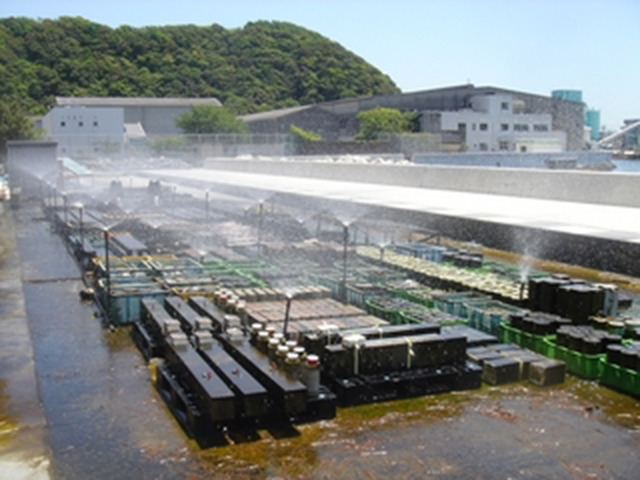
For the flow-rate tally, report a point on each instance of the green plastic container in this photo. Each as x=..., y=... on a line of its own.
x=408, y=317
x=536, y=343
x=452, y=303
x=589, y=367
x=418, y=296
x=620, y=378
x=508, y=334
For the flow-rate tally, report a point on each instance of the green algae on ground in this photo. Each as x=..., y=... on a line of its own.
x=361, y=433
x=119, y=339
x=295, y=456
x=8, y=424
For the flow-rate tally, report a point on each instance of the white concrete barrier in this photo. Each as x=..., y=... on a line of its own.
x=604, y=188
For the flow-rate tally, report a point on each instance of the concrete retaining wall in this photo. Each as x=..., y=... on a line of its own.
x=603, y=188
x=515, y=159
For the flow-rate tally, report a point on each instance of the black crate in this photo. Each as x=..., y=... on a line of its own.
x=479, y=357
x=499, y=371
x=547, y=372
x=468, y=377
x=525, y=358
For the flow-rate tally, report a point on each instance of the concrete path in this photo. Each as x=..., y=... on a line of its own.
x=78, y=397
x=24, y=453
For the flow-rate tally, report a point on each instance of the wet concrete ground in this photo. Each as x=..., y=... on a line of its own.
x=23, y=449
x=96, y=411
x=76, y=402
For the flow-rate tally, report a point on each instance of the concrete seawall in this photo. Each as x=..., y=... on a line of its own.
x=604, y=188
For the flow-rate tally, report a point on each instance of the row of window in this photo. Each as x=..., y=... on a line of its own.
x=517, y=127
x=80, y=123
x=502, y=146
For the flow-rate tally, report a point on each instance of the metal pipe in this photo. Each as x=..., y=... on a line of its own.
x=286, y=316
x=64, y=206
x=108, y=272
x=80, y=210
x=345, y=238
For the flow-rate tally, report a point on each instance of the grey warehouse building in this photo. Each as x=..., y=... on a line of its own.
x=338, y=119
x=156, y=116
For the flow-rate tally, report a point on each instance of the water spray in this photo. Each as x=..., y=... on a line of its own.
x=260, y=223
x=80, y=208
x=345, y=239
x=206, y=206
x=382, y=247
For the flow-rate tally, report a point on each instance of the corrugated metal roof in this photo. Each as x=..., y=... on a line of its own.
x=136, y=101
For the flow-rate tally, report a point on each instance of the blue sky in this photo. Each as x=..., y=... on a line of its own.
x=529, y=45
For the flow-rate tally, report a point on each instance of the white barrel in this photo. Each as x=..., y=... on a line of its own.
x=311, y=377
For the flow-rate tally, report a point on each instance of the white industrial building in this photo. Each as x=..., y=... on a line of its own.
x=102, y=126
x=495, y=123
x=82, y=132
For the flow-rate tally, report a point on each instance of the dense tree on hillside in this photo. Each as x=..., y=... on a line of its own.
x=262, y=66
x=14, y=124
x=383, y=120
x=210, y=119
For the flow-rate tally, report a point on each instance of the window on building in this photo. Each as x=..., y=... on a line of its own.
x=80, y=123
x=484, y=147
x=473, y=126
x=541, y=127
x=523, y=148
x=504, y=105
x=95, y=123
x=503, y=146
x=63, y=123
x=462, y=127
x=484, y=127
x=504, y=127
x=521, y=127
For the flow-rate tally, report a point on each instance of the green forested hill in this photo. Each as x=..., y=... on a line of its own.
x=262, y=66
